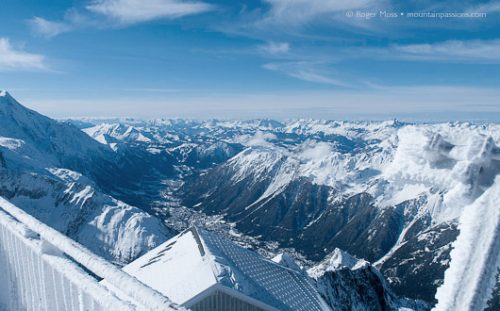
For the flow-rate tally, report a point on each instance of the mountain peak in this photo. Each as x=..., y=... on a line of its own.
x=337, y=260
x=4, y=93
x=7, y=99
x=340, y=259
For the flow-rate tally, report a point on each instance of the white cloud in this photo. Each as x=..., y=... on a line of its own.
x=303, y=11
x=136, y=11
x=304, y=71
x=490, y=7
x=275, y=48
x=12, y=59
x=451, y=51
x=48, y=28
x=473, y=50
x=259, y=139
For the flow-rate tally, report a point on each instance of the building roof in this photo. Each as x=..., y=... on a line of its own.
x=196, y=260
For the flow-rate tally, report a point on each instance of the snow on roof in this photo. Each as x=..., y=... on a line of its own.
x=195, y=260
x=176, y=268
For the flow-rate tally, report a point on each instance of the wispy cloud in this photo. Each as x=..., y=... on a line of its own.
x=48, y=29
x=300, y=20
x=295, y=12
x=16, y=59
x=305, y=71
x=451, y=51
x=489, y=7
x=73, y=19
x=119, y=12
x=136, y=11
x=275, y=48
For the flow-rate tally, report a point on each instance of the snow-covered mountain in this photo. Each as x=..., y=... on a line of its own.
x=388, y=192
x=42, y=167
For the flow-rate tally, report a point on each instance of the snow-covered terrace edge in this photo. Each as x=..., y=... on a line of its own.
x=23, y=225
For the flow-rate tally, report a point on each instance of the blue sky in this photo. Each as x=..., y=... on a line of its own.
x=269, y=58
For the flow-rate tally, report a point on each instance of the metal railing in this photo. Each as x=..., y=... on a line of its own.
x=41, y=269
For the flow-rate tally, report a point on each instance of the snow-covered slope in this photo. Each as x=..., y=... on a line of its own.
x=45, y=141
x=42, y=170
x=382, y=191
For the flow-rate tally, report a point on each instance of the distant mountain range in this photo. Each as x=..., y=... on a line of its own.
x=388, y=192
